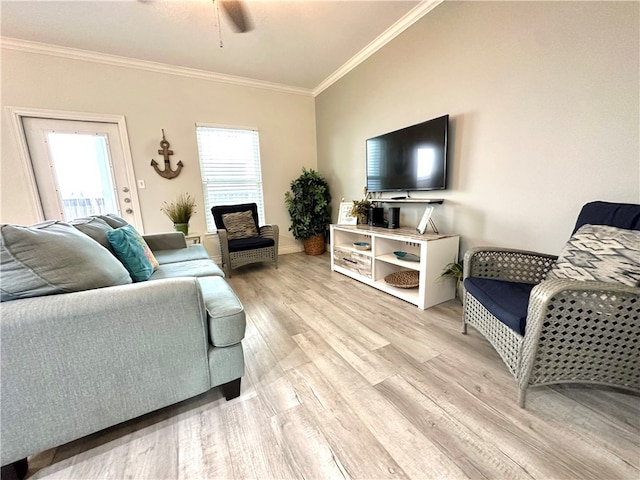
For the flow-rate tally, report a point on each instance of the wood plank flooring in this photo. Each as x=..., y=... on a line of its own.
x=344, y=381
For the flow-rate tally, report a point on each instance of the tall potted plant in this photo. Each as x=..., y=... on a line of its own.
x=309, y=206
x=180, y=212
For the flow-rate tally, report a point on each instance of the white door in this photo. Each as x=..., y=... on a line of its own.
x=80, y=169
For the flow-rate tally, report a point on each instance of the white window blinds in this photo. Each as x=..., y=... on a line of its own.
x=230, y=168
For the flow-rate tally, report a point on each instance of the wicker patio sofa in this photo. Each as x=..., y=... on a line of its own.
x=550, y=329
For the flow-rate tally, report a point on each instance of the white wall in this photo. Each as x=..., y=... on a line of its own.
x=152, y=101
x=544, y=104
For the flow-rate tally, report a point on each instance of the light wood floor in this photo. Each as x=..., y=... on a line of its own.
x=344, y=381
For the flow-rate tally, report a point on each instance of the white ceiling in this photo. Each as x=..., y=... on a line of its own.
x=297, y=43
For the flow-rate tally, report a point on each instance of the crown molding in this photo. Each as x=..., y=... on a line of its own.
x=420, y=10
x=415, y=14
x=118, y=61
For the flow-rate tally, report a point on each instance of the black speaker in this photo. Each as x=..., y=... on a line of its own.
x=394, y=217
x=376, y=217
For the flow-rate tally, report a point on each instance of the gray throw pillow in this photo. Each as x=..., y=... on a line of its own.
x=95, y=228
x=113, y=220
x=601, y=253
x=239, y=225
x=51, y=258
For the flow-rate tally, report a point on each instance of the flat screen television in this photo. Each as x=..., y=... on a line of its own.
x=409, y=159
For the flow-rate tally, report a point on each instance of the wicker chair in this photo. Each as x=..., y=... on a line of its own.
x=243, y=251
x=571, y=331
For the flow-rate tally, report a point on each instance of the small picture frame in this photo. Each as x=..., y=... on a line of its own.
x=344, y=214
x=422, y=226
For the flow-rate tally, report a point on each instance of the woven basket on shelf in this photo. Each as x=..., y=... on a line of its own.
x=403, y=279
x=314, y=245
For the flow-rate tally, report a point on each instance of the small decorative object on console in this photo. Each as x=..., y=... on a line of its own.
x=426, y=217
x=362, y=245
x=410, y=257
x=345, y=217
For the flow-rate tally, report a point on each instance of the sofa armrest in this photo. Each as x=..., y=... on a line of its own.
x=76, y=363
x=581, y=331
x=507, y=264
x=165, y=241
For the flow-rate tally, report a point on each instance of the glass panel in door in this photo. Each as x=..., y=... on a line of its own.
x=83, y=172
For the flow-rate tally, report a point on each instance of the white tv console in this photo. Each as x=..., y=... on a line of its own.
x=372, y=266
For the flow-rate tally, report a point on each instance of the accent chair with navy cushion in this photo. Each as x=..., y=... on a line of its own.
x=568, y=319
x=242, y=240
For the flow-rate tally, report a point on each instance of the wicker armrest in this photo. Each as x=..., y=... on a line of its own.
x=269, y=231
x=592, y=326
x=507, y=264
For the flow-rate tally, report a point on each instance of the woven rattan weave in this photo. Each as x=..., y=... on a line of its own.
x=576, y=332
x=231, y=260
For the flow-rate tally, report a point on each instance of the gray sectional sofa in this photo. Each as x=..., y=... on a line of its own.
x=83, y=347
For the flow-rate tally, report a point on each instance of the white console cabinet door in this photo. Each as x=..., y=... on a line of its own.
x=371, y=266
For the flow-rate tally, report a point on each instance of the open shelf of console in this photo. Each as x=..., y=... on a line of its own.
x=371, y=267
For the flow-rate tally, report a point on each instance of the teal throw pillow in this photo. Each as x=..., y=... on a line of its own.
x=130, y=249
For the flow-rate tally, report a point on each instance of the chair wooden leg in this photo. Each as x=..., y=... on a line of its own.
x=231, y=389
x=15, y=471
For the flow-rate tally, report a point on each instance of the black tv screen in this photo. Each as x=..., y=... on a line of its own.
x=412, y=158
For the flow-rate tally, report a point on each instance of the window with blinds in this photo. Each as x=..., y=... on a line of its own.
x=230, y=168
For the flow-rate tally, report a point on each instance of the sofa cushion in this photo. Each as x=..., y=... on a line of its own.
x=225, y=313
x=243, y=244
x=601, y=253
x=507, y=301
x=96, y=228
x=133, y=252
x=239, y=225
x=191, y=268
x=113, y=220
x=193, y=252
x=51, y=258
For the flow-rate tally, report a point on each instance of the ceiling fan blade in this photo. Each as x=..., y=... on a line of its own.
x=236, y=13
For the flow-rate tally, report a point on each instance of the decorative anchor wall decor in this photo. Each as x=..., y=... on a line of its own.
x=165, y=152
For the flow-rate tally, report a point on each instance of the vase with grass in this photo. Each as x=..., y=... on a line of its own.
x=180, y=212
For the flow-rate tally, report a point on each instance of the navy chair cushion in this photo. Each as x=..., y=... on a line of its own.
x=621, y=215
x=507, y=301
x=242, y=244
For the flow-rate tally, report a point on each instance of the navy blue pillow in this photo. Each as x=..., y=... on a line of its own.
x=621, y=215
